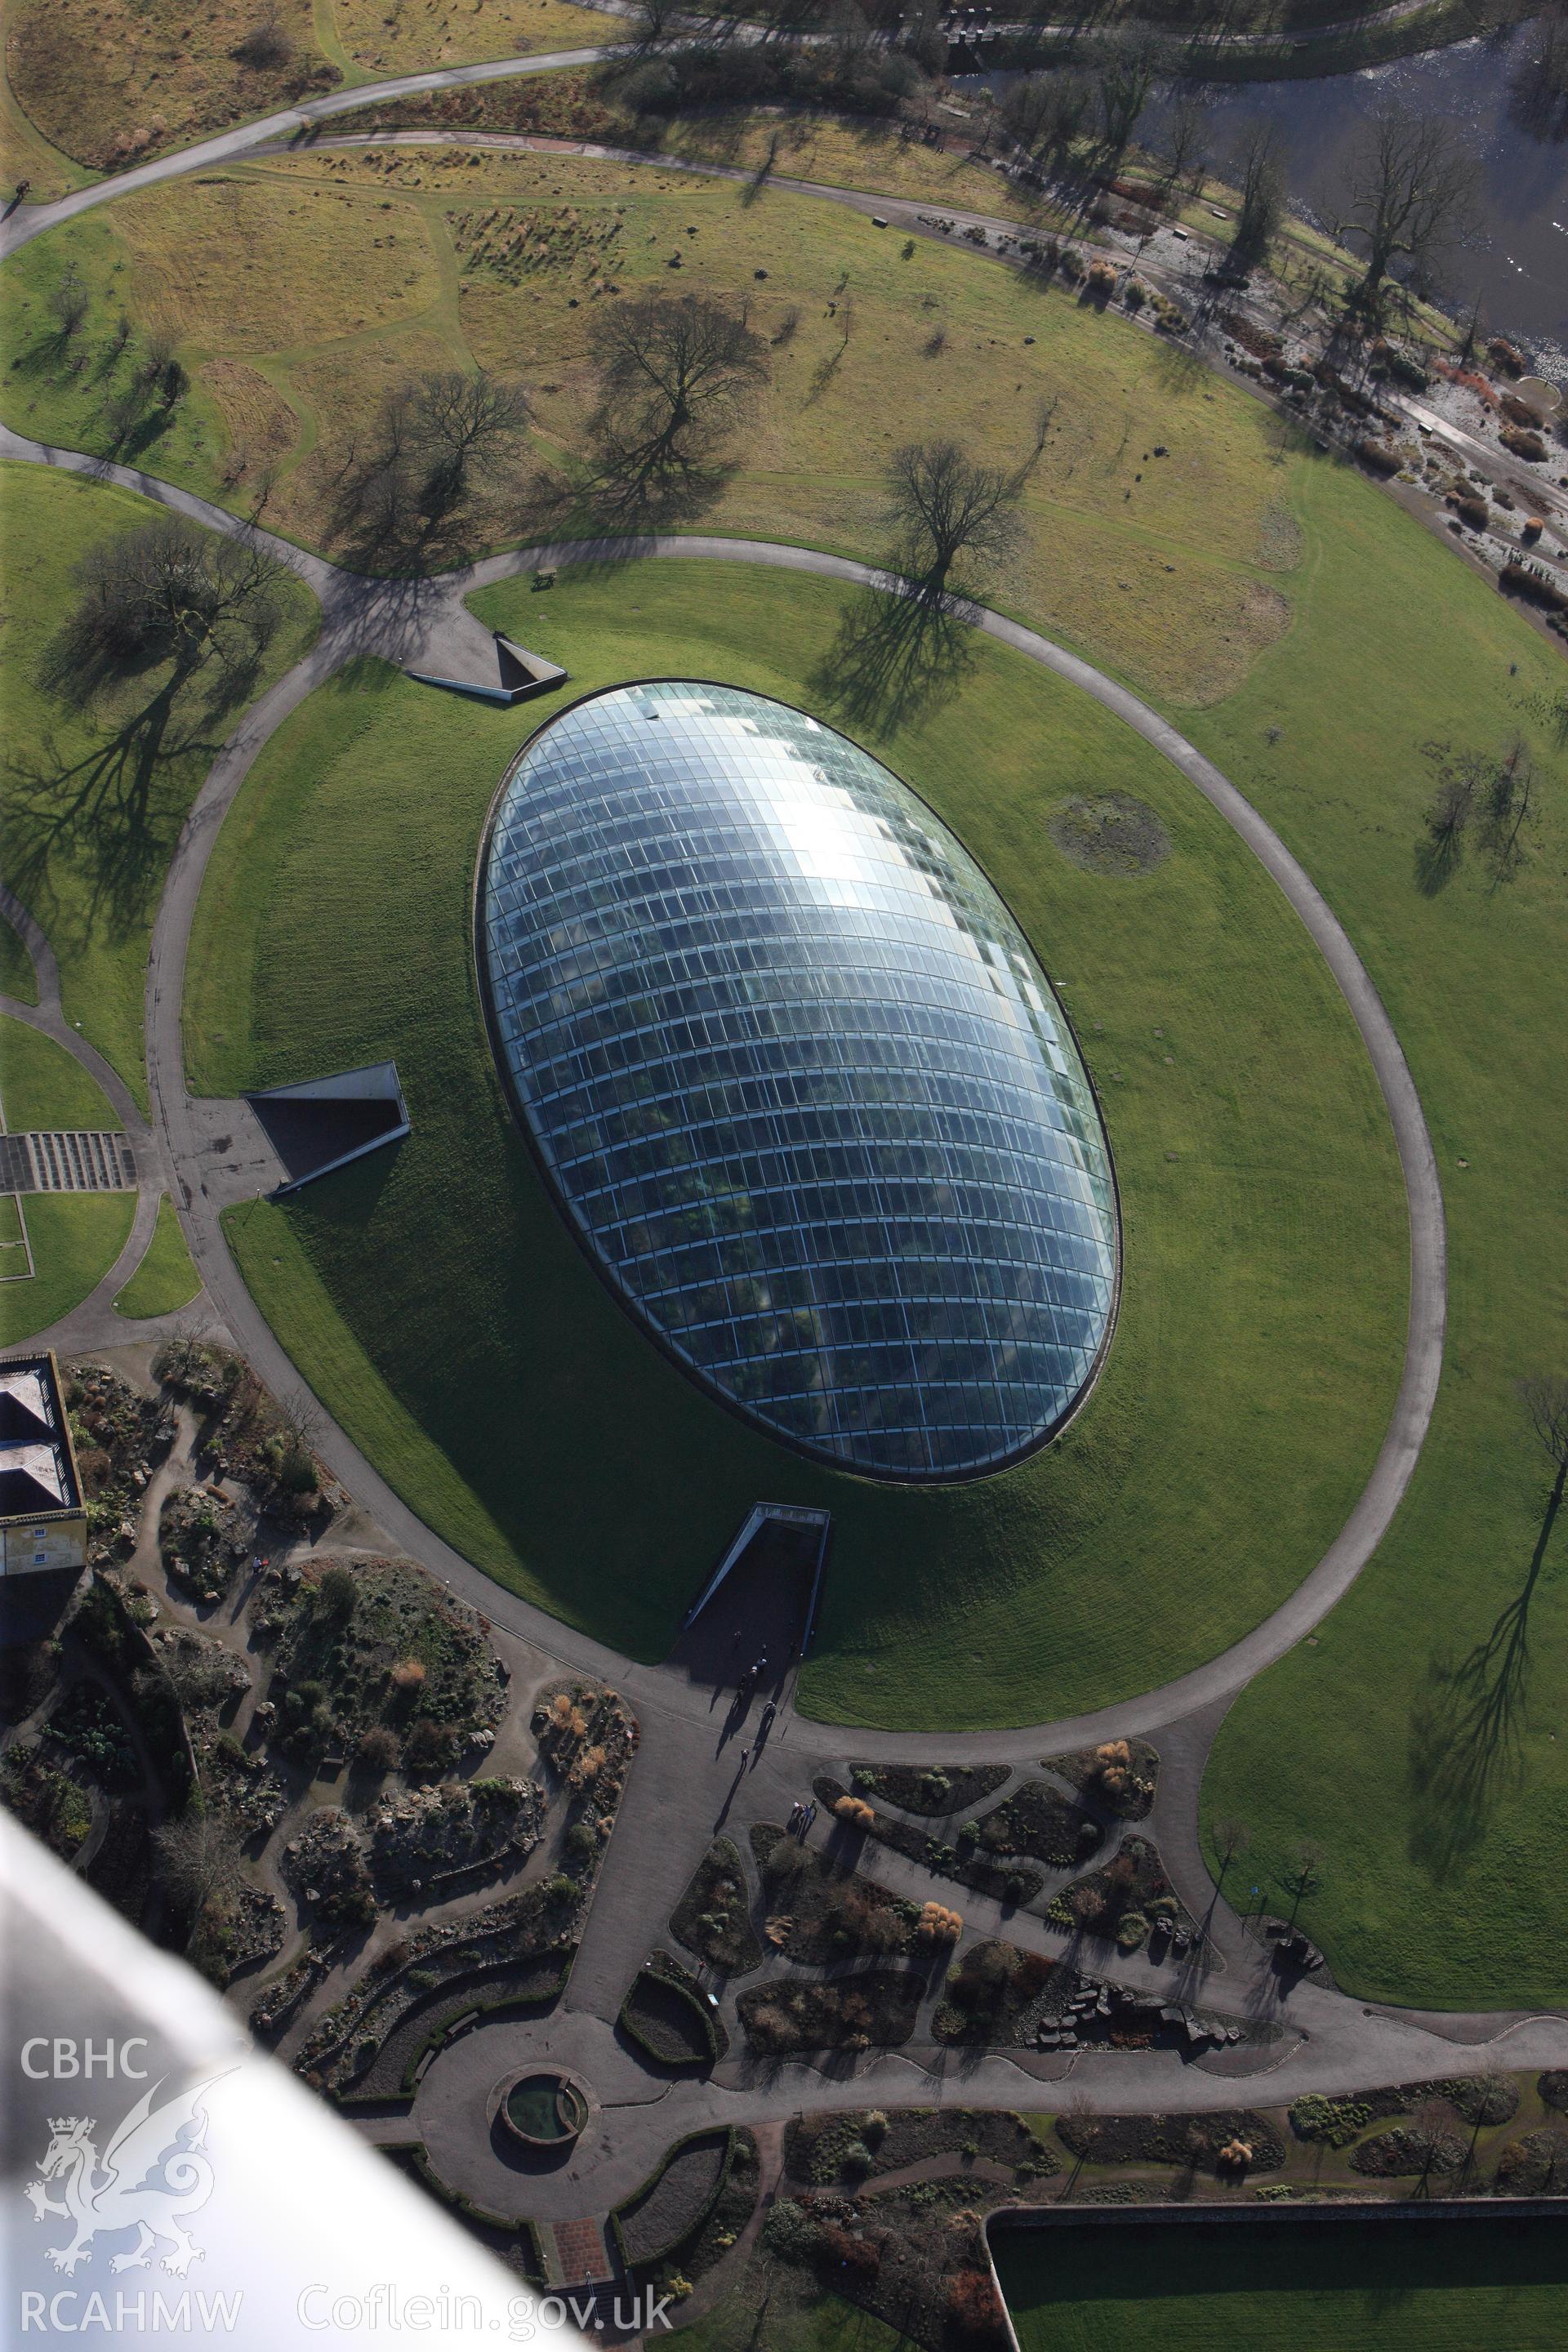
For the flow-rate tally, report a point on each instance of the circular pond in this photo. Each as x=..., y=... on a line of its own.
x=545, y=2108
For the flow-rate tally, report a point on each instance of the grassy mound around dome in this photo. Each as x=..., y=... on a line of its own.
x=436, y=1300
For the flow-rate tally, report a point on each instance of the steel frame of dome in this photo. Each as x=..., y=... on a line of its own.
x=576, y=1224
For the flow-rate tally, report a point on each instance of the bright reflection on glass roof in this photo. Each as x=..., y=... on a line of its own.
x=798, y=1079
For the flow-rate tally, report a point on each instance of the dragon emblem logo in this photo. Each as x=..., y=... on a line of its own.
x=154, y=2174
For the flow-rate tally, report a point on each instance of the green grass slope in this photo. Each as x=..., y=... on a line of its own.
x=1405, y=2285
x=166, y=1280
x=435, y=1297
x=91, y=803
x=42, y=1086
x=1422, y=1742
x=17, y=978
x=76, y=1238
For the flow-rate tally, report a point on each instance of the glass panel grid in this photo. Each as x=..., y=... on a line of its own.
x=799, y=1079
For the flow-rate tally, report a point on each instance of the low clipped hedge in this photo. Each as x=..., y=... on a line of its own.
x=676, y=2199
x=411, y=2157
x=667, y=2017
x=523, y=1988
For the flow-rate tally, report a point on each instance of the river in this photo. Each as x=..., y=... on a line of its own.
x=1518, y=259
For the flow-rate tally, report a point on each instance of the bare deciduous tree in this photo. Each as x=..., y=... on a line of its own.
x=167, y=591
x=1544, y=1396
x=268, y=45
x=1260, y=170
x=69, y=301
x=198, y=1858
x=1231, y=1837
x=1126, y=62
x=461, y=428
x=944, y=508
x=1303, y=1876
x=1495, y=793
x=677, y=373
x=1081, y=2127
x=1410, y=192
x=1045, y=113
x=1182, y=150
x=654, y=20
x=1429, y=2131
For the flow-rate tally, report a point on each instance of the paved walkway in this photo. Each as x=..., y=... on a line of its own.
x=397, y=620
x=1326, y=2042
x=93, y=1322
x=28, y=221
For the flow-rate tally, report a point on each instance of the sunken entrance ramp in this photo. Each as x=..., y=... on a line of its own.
x=325, y=1123
x=499, y=672
x=758, y=1608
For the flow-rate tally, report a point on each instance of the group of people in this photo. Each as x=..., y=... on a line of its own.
x=754, y=1672
x=802, y=1814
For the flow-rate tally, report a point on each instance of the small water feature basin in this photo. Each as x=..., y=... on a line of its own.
x=545, y=2108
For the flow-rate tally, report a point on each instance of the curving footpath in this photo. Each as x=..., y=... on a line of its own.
x=92, y=1321
x=1327, y=2043
x=394, y=619
x=28, y=221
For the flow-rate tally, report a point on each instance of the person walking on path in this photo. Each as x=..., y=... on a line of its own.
x=745, y=1757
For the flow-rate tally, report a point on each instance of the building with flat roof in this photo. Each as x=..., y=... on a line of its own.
x=43, y=1518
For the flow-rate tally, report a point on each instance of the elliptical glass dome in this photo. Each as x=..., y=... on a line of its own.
x=798, y=1079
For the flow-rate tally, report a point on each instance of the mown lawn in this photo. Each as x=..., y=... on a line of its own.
x=76, y=1238
x=42, y=1086
x=1421, y=1743
x=92, y=799
x=1405, y=2285
x=166, y=1280
x=17, y=978
x=435, y=1297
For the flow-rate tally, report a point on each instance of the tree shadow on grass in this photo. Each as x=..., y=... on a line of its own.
x=896, y=656
x=101, y=810
x=1464, y=1730
x=1438, y=854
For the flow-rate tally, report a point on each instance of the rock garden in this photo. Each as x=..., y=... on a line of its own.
x=514, y=1954
x=120, y=1436
x=1120, y=1776
x=1129, y=1902
x=45, y=1799
x=819, y=1910
x=1016, y=1883
x=374, y=1660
